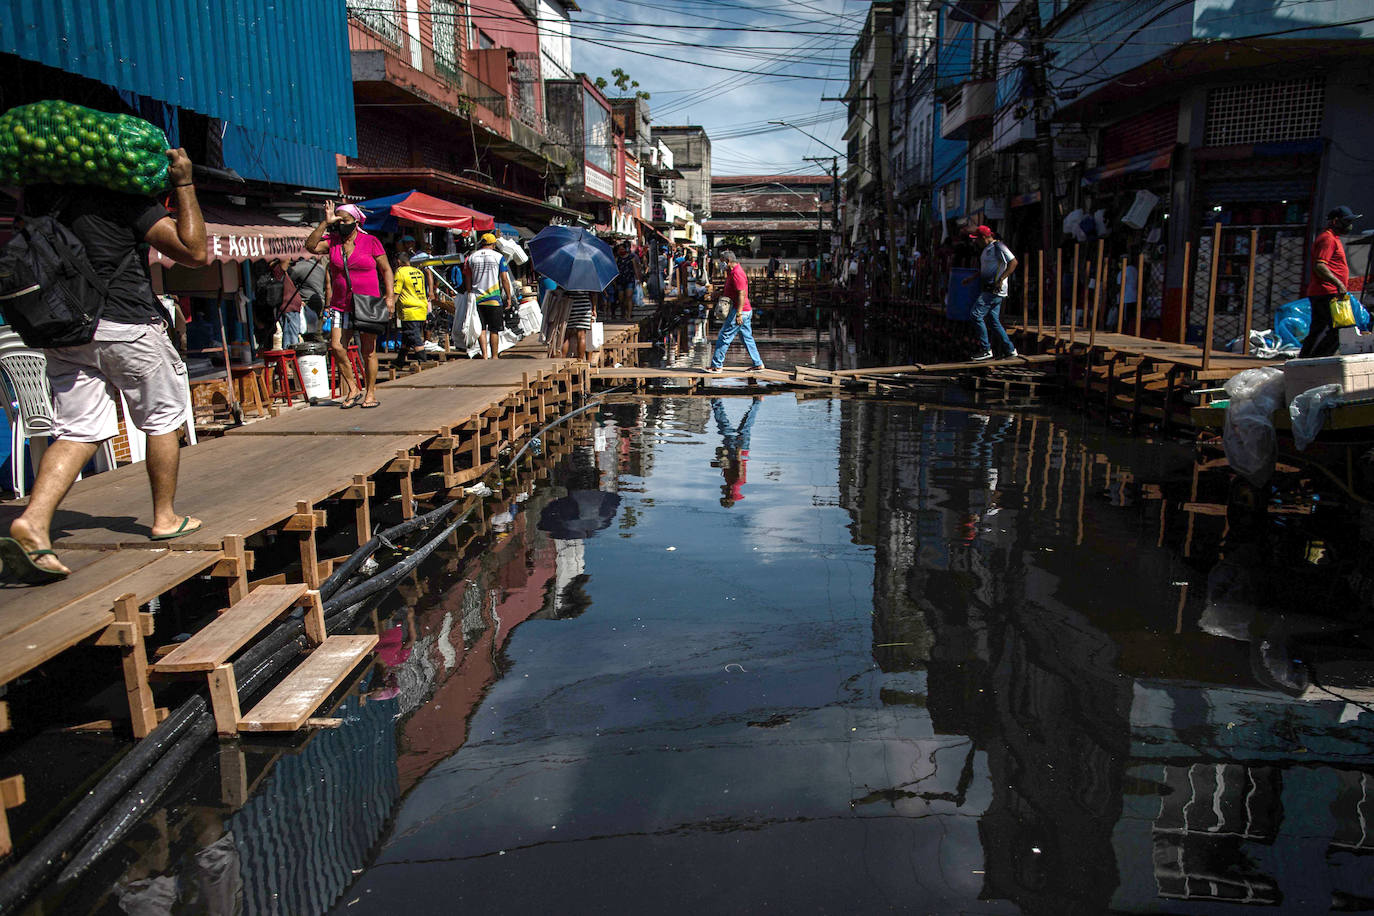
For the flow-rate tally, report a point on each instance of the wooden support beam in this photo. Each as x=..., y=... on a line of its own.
x=135, y=662
x=304, y=522
x=224, y=699
x=236, y=565
x=11, y=796
x=314, y=617
x=361, y=492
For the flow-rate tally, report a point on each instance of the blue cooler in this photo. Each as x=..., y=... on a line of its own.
x=963, y=292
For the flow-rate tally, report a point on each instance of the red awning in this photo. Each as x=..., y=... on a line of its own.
x=418, y=207
x=247, y=235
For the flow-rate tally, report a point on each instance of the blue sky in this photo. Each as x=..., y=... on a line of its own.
x=808, y=38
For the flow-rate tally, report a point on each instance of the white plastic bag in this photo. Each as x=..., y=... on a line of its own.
x=1308, y=412
x=531, y=317
x=1248, y=435
x=597, y=337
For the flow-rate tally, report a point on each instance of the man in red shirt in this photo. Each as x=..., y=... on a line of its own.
x=741, y=314
x=1330, y=274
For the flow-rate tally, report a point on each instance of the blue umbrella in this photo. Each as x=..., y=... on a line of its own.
x=573, y=258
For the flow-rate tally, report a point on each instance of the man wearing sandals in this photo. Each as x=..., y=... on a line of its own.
x=131, y=354
x=741, y=314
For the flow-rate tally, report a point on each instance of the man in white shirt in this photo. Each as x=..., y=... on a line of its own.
x=995, y=264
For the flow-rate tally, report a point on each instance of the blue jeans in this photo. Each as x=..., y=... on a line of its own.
x=987, y=317
x=736, y=324
x=292, y=327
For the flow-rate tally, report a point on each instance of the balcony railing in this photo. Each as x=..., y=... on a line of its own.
x=488, y=97
x=971, y=103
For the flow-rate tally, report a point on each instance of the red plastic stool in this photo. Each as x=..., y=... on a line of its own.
x=279, y=366
x=358, y=373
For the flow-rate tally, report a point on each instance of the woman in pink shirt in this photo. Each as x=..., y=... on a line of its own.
x=368, y=273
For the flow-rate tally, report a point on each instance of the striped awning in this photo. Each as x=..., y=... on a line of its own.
x=1144, y=162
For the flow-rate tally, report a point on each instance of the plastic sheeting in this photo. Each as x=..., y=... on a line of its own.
x=1308, y=412
x=1248, y=436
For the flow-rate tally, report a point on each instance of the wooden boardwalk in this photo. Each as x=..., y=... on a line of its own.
x=268, y=479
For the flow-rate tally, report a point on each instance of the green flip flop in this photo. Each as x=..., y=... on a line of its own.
x=19, y=566
x=186, y=520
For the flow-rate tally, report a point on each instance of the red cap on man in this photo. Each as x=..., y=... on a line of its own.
x=981, y=232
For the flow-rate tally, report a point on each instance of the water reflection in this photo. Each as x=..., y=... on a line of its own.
x=946, y=657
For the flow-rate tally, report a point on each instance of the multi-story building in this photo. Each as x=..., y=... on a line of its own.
x=787, y=216
x=451, y=100
x=870, y=209
x=692, y=157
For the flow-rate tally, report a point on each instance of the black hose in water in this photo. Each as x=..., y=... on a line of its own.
x=30, y=872
x=127, y=812
x=356, y=559
x=187, y=722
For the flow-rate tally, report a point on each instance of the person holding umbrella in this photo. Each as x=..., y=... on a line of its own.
x=583, y=266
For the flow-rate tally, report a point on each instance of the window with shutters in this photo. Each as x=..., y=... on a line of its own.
x=1265, y=112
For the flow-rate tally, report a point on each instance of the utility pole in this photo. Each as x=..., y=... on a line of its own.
x=834, y=204
x=1044, y=142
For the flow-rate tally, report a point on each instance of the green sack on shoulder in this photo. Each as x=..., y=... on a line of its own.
x=62, y=143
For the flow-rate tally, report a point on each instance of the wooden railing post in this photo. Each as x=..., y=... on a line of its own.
x=1039, y=298
x=1211, y=297
x=1121, y=297
x=1249, y=293
x=1139, y=290
x=1183, y=306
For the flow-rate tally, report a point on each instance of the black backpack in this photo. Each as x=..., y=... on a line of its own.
x=49, y=292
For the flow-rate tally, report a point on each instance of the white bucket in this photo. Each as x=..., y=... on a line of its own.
x=315, y=371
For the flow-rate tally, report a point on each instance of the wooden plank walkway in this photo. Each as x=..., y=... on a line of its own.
x=268, y=475
x=237, y=485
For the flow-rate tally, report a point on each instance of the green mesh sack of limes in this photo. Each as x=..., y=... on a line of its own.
x=59, y=142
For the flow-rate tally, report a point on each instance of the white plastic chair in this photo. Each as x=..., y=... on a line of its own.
x=24, y=373
x=138, y=442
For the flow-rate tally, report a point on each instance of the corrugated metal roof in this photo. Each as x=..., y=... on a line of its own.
x=279, y=69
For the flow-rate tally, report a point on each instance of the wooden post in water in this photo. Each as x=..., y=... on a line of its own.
x=1211, y=297
x=1121, y=298
x=1039, y=300
x=1097, y=295
x=1073, y=298
x=1025, y=300
x=1249, y=294
x=1183, y=306
x=1139, y=291
x=1058, y=293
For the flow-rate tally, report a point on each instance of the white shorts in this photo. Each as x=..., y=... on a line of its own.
x=135, y=360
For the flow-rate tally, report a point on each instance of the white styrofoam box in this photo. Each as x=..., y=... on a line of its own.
x=1355, y=374
x=1353, y=341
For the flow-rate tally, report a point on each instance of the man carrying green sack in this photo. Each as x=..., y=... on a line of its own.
x=129, y=354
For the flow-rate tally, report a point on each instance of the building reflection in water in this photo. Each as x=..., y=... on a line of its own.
x=1134, y=762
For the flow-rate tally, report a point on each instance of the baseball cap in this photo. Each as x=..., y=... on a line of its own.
x=981, y=232
x=488, y=239
x=1343, y=212
x=407, y=238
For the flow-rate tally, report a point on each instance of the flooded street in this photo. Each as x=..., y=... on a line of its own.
x=830, y=656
